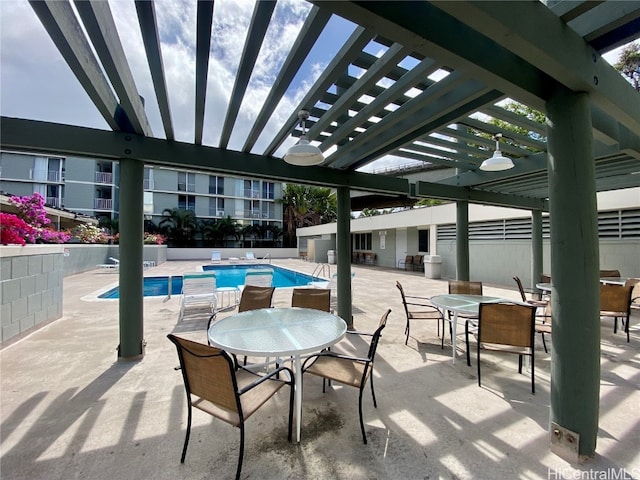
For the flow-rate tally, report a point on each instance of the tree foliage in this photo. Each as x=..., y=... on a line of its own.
x=305, y=206
x=628, y=64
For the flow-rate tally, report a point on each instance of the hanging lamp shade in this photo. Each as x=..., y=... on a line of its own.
x=497, y=162
x=303, y=153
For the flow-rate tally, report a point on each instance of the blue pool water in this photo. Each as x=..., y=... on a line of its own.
x=226, y=276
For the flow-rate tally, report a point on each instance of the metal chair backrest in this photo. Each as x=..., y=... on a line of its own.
x=520, y=288
x=465, y=287
x=506, y=324
x=208, y=373
x=254, y=297
x=615, y=298
x=316, y=298
x=375, y=338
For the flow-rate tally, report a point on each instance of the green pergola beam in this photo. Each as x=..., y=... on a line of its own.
x=52, y=138
x=204, y=21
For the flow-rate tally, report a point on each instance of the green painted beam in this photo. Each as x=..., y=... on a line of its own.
x=309, y=33
x=149, y=28
x=449, y=192
x=576, y=65
x=204, y=21
x=262, y=12
x=101, y=28
x=51, y=138
x=63, y=27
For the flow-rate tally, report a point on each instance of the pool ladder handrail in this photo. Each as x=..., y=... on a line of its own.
x=319, y=271
x=266, y=257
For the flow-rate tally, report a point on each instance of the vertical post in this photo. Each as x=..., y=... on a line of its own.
x=343, y=244
x=536, y=246
x=130, y=252
x=575, y=357
x=462, y=240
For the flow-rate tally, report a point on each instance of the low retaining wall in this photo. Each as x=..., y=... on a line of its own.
x=30, y=287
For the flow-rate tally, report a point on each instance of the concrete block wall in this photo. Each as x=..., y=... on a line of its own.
x=30, y=287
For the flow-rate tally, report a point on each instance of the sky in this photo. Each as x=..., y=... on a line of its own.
x=36, y=83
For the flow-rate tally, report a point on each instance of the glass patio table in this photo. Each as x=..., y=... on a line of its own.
x=279, y=332
x=468, y=305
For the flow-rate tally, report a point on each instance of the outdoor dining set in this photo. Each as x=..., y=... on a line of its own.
x=254, y=353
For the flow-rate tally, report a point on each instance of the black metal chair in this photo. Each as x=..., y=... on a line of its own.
x=214, y=386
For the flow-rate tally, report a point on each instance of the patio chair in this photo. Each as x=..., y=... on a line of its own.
x=420, y=308
x=544, y=325
x=349, y=370
x=634, y=283
x=316, y=298
x=214, y=385
x=198, y=293
x=407, y=262
x=467, y=288
x=249, y=256
x=615, y=301
x=507, y=328
x=262, y=277
x=609, y=273
x=418, y=263
x=216, y=257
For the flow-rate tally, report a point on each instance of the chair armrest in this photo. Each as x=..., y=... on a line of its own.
x=355, y=332
x=264, y=378
x=314, y=357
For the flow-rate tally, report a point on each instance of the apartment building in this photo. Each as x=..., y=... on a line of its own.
x=90, y=187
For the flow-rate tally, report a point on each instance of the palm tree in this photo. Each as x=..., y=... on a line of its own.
x=179, y=225
x=307, y=206
x=227, y=227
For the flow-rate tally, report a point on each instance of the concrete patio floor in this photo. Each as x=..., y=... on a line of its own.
x=69, y=409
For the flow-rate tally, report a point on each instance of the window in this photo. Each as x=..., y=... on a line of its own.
x=252, y=188
x=251, y=209
x=268, y=189
x=216, y=185
x=268, y=210
x=362, y=241
x=423, y=240
x=186, y=182
x=148, y=178
x=187, y=202
x=216, y=207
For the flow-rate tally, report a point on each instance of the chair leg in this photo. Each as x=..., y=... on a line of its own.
x=373, y=393
x=466, y=337
x=533, y=385
x=615, y=324
x=478, y=360
x=406, y=330
x=241, y=451
x=519, y=363
x=441, y=338
x=186, y=438
x=291, y=401
x=626, y=327
x=364, y=435
x=544, y=344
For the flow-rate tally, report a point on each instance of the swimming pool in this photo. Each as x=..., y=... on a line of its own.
x=226, y=276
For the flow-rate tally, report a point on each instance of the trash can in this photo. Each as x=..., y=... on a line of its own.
x=331, y=257
x=432, y=264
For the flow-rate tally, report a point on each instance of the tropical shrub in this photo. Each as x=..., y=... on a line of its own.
x=14, y=230
x=31, y=211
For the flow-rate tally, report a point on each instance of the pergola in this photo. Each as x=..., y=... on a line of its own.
x=445, y=69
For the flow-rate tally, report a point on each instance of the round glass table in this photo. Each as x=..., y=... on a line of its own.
x=279, y=332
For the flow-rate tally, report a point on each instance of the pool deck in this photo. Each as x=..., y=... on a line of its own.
x=69, y=409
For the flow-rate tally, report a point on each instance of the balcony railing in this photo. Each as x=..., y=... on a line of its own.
x=104, y=177
x=103, y=203
x=54, y=202
x=249, y=193
x=148, y=184
x=42, y=176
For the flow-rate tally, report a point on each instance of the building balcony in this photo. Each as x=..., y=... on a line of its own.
x=55, y=202
x=49, y=176
x=104, y=177
x=103, y=204
x=148, y=184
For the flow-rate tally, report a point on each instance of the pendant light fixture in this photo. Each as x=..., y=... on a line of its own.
x=303, y=153
x=497, y=162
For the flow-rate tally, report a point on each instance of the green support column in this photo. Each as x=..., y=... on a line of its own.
x=536, y=247
x=131, y=277
x=343, y=244
x=575, y=355
x=462, y=240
